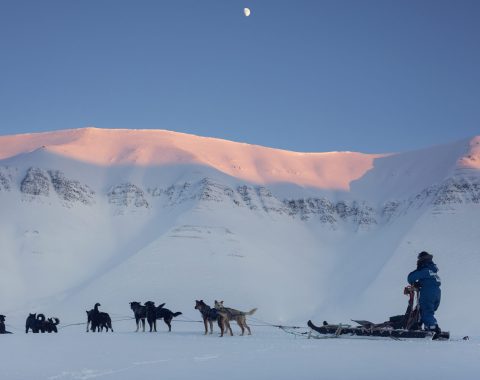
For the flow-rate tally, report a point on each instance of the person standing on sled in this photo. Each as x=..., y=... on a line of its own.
x=425, y=278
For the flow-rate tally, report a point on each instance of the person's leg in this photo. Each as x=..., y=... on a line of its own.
x=427, y=312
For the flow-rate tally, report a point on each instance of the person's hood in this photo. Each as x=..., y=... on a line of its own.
x=431, y=266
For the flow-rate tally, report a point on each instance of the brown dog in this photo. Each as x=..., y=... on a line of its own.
x=211, y=314
x=235, y=315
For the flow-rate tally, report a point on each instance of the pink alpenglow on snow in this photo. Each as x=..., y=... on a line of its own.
x=471, y=160
x=257, y=164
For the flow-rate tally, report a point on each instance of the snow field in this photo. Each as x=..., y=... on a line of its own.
x=269, y=353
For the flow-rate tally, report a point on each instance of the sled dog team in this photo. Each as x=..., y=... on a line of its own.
x=219, y=313
x=98, y=321
x=424, y=279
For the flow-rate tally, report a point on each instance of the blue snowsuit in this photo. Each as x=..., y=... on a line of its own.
x=429, y=282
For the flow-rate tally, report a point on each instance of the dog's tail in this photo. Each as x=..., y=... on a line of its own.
x=177, y=313
x=160, y=306
x=57, y=321
x=41, y=317
x=251, y=311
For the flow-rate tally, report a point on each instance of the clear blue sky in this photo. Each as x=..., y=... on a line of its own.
x=362, y=75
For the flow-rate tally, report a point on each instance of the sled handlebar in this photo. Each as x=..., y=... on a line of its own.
x=410, y=289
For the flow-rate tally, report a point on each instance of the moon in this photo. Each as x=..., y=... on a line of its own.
x=246, y=12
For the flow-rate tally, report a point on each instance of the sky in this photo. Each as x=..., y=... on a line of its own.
x=311, y=76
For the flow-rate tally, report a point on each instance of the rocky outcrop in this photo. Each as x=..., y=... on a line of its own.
x=453, y=191
x=208, y=190
x=357, y=212
x=6, y=178
x=247, y=194
x=36, y=183
x=312, y=207
x=268, y=202
x=327, y=212
x=457, y=191
x=127, y=195
x=71, y=191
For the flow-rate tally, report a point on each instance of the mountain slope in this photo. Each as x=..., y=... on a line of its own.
x=115, y=216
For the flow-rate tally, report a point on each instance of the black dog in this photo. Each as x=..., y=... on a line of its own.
x=2, y=325
x=209, y=315
x=159, y=312
x=151, y=314
x=98, y=320
x=51, y=325
x=140, y=313
x=35, y=323
x=38, y=323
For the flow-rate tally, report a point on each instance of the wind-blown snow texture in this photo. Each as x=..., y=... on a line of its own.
x=119, y=215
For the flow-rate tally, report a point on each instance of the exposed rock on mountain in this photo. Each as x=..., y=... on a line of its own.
x=71, y=190
x=127, y=195
x=6, y=178
x=36, y=182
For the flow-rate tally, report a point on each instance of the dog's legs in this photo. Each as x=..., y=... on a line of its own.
x=137, y=321
x=227, y=322
x=241, y=326
x=205, y=322
x=143, y=323
x=221, y=324
x=248, y=328
x=167, y=322
x=211, y=327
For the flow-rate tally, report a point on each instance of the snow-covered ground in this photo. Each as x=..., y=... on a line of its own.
x=269, y=353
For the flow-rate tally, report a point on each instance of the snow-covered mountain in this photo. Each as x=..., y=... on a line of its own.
x=120, y=215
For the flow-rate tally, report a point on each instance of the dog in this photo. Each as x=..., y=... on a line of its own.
x=159, y=312
x=140, y=313
x=2, y=325
x=98, y=320
x=235, y=315
x=38, y=323
x=209, y=315
x=51, y=325
x=35, y=323
x=151, y=314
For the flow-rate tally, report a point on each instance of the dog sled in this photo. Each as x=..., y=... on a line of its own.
x=399, y=327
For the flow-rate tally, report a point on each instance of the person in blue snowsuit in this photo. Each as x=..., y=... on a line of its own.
x=425, y=277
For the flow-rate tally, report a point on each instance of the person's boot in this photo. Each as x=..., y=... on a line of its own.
x=437, y=333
